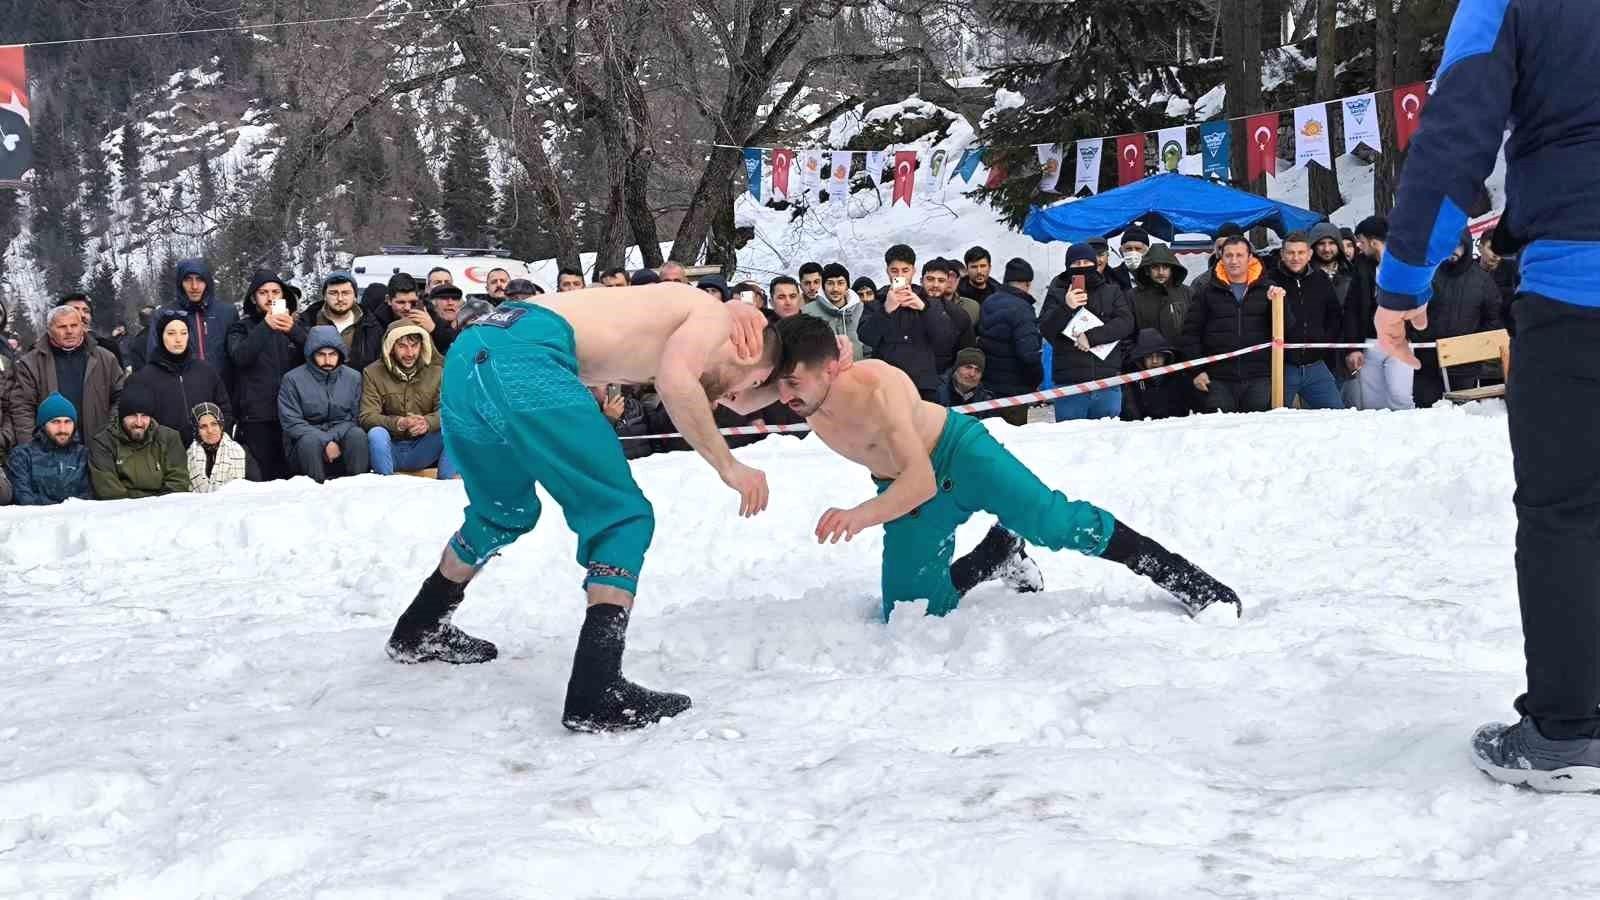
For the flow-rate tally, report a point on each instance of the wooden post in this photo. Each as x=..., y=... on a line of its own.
x=1277, y=352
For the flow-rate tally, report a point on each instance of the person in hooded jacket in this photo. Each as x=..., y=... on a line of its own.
x=1465, y=301
x=319, y=407
x=1074, y=361
x=1161, y=397
x=1160, y=297
x=176, y=379
x=1008, y=335
x=400, y=404
x=214, y=458
x=1231, y=312
x=838, y=306
x=54, y=466
x=1328, y=256
x=136, y=456
x=361, y=332
x=264, y=345
x=208, y=318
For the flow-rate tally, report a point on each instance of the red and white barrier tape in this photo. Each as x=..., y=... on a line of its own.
x=1071, y=390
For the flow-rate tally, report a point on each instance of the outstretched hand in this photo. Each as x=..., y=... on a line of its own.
x=841, y=523
x=1391, y=327
x=751, y=485
x=748, y=324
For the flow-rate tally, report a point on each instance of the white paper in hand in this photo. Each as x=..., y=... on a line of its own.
x=1085, y=321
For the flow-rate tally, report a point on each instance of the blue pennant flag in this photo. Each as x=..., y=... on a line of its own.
x=1214, y=150
x=752, y=170
x=970, y=158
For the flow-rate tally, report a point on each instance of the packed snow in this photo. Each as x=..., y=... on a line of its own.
x=198, y=702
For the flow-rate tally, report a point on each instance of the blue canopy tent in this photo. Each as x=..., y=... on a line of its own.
x=1190, y=204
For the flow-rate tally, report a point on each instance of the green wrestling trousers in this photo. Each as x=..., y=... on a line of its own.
x=974, y=473
x=514, y=414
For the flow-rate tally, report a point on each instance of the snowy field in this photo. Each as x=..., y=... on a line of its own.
x=196, y=702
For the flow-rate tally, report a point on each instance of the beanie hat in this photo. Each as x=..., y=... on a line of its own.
x=1230, y=229
x=1373, y=227
x=201, y=410
x=714, y=283
x=1018, y=270
x=970, y=356
x=645, y=276
x=1081, y=252
x=1347, y=234
x=835, y=270
x=471, y=310
x=1136, y=234
x=864, y=283
x=137, y=397
x=1101, y=245
x=55, y=406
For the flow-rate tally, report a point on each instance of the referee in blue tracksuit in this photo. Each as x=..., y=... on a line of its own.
x=1528, y=65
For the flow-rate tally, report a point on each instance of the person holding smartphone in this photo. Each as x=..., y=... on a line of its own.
x=1085, y=317
x=904, y=329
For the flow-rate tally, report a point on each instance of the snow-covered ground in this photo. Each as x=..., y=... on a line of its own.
x=197, y=704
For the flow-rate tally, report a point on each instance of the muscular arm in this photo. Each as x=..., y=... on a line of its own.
x=753, y=400
x=914, y=485
x=683, y=361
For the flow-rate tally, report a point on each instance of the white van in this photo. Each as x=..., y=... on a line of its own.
x=469, y=266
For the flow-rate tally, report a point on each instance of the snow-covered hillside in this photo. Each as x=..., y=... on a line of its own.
x=197, y=703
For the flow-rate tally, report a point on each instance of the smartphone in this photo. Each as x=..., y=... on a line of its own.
x=747, y=297
x=1078, y=283
x=900, y=283
x=279, y=307
x=613, y=391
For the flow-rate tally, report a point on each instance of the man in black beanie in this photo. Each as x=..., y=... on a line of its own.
x=1008, y=335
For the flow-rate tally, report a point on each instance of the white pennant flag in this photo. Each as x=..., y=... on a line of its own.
x=1172, y=145
x=1089, y=165
x=839, y=175
x=876, y=160
x=1050, y=156
x=810, y=170
x=1311, y=136
x=1361, y=123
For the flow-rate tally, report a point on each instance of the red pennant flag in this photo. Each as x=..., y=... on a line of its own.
x=1408, y=104
x=1130, y=158
x=1261, y=144
x=997, y=171
x=782, y=163
x=905, y=176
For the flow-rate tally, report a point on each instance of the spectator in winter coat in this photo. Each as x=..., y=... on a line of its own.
x=1161, y=299
x=80, y=301
x=1008, y=335
x=965, y=384
x=1229, y=313
x=136, y=456
x=66, y=363
x=208, y=317
x=569, y=279
x=1134, y=245
x=176, y=380
x=1386, y=382
x=445, y=302
x=1161, y=397
x=961, y=307
x=495, y=284
x=865, y=289
x=214, y=458
x=976, y=285
x=135, y=342
x=361, y=333
x=1227, y=231
x=374, y=298
x=904, y=329
x=319, y=405
x=403, y=300
x=1328, y=256
x=1503, y=269
x=1075, y=359
x=786, y=297
x=265, y=344
x=400, y=404
x=439, y=275
x=938, y=288
x=810, y=286
x=837, y=306
x=715, y=285
x=1465, y=301
x=625, y=411
x=54, y=465
x=1311, y=316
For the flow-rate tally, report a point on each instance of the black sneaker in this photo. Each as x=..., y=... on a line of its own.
x=622, y=706
x=444, y=643
x=1518, y=754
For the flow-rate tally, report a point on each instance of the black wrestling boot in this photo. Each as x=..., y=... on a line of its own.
x=424, y=632
x=598, y=697
x=1001, y=554
x=1195, y=589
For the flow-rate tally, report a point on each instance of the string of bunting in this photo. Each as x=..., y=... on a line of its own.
x=793, y=172
x=1071, y=390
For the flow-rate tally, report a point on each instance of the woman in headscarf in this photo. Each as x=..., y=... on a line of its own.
x=214, y=458
x=178, y=380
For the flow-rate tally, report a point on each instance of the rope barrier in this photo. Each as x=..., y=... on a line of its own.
x=1071, y=390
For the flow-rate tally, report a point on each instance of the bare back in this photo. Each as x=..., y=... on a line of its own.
x=621, y=332
x=855, y=420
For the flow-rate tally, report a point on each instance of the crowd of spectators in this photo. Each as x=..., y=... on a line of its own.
x=206, y=391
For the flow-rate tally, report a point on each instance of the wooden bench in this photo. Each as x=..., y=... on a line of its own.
x=1483, y=346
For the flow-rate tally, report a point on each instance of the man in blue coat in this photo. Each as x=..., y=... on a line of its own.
x=53, y=466
x=1519, y=63
x=319, y=405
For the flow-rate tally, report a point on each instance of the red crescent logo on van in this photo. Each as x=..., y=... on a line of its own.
x=477, y=274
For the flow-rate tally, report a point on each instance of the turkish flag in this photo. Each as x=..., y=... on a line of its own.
x=997, y=171
x=905, y=176
x=1408, y=104
x=1261, y=146
x=1130, y=158
x=782, y=162
x=16, y=135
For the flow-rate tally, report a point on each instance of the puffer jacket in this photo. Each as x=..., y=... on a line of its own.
x=180, y=382
x=1465, y=301
x=1161, y=306
x=1161, y=397
x=121, y=468
x=262, y=356
x=1311, y=313
x=844, y=321
x=389, y=392
x=43, y=474
x=1008, y=335
x=313, y=404
x=910, y=339
x=1217, y=323
x=208, y=321
x=1109, y=303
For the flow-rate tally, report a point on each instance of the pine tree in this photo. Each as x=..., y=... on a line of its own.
x=207, y=181
x=515, y=227
x=133, y=174
x=424, y=225
x=96, y=188
x=467, y=198
x=103, y=293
